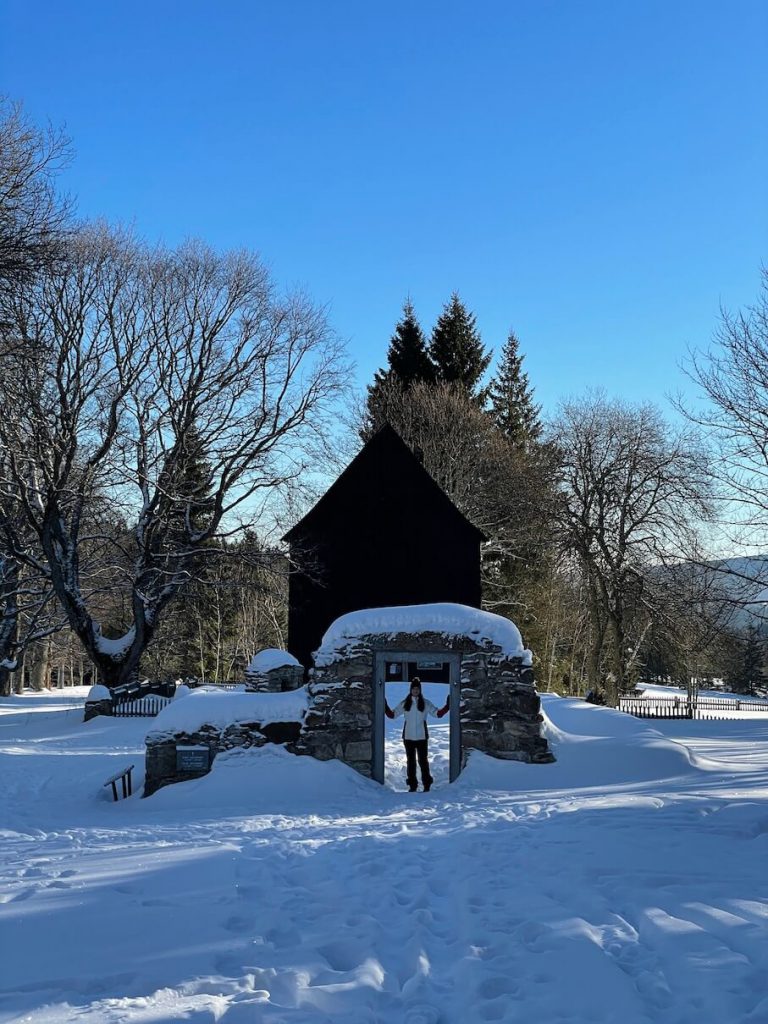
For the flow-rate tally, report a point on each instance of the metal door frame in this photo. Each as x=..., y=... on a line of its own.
x=454, y=690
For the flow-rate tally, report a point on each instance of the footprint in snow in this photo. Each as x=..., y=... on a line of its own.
x=492, y=988
x=33, y=873
x=492, y=1011
x=653, y=988
x=283, y=937
x=237, y=924
x=23, y=895
x=531, y=933
x=341, y=956
x=422, y=1013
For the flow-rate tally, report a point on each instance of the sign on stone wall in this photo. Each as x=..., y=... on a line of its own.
x=193, y=759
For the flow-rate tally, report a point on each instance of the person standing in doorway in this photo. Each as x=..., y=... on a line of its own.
x=416, y=707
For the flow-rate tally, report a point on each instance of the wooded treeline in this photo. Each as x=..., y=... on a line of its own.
x=159, y=406
x=597, y=516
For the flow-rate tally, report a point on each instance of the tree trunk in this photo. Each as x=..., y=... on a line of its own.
x=18, y=675
x=112, y=672
x=9, y=622
x=616, y=681
x=38, y=671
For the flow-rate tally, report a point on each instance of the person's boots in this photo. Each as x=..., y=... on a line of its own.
x=428, y=785
x=412, y=787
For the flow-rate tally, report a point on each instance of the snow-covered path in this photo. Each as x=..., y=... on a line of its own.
x=628, y=882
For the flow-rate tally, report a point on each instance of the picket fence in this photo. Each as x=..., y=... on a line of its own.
x=679, y=707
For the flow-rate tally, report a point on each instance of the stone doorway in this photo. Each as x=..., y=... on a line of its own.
x=402, y=666
x=494, y=704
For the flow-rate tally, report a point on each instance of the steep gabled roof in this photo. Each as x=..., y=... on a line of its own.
x=385, y=445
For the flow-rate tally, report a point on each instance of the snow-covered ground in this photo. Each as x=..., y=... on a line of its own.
x=627, y=882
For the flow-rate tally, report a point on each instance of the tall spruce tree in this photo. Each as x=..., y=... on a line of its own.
x=408, y=363
x=456, y=350
x=407, y=356
x=511, y=397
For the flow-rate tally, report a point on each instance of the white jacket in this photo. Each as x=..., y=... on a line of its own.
x=415, y=727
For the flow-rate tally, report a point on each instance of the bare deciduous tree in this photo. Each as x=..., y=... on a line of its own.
x=733, y=375
x=633, y=490
x=33, y=223
x=33, y=215
x=174, y=385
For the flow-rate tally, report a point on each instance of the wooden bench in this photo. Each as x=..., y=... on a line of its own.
x=125, y=778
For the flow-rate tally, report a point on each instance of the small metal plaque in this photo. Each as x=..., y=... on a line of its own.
x=193, y=759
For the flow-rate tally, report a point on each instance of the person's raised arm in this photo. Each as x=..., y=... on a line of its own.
x=445, y=708
x=393, y=712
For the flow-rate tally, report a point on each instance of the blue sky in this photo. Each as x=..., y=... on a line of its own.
x=592, y=174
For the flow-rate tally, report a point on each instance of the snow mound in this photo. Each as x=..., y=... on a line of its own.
x=594, y=747
x=99, y=692
x=208, y=707
x=269, y=658
x=270, y=780
x=448, y=619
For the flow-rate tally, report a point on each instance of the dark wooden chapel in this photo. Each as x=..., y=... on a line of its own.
x=383, y=534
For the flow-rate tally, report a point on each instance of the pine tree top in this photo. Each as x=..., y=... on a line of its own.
x=511, y=397
x=456, y=348
x=407, y=355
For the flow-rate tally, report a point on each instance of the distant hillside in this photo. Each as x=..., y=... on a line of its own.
x=743, y=584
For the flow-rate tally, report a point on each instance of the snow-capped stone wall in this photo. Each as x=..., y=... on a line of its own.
x=98, y=702
x=274, y=671
x=213, y=722
x=500, y=709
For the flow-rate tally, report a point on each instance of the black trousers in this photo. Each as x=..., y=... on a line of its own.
x=416, y=749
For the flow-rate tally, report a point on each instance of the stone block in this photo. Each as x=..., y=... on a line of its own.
x=94, y=708
x=359, y=751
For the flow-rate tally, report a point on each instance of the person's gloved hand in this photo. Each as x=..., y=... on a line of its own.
x=388, y=710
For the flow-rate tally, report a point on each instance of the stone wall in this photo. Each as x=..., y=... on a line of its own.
x=161, y=767
x=500, y=709
x=339, y=720
x=499, y=714
x=94, y=708
x=276, y=680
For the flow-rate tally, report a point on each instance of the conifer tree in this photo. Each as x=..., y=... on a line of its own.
x=511, y=396
x=407, y=356
x=457, y=351
x=749, y=672
x=408, y=363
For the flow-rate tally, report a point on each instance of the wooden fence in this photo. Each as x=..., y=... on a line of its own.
x=145, y=699
x=142, y=707
x=680, y=707
x=219, y=686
